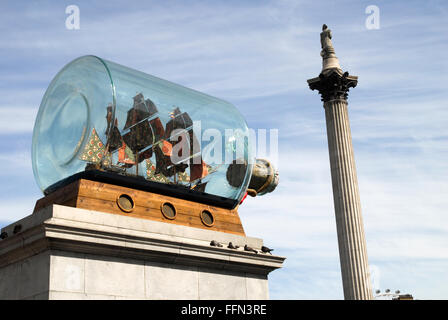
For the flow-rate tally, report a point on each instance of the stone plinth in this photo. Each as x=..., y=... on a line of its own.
x=70, y=253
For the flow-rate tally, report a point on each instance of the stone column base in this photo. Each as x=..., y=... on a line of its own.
x=69, y=253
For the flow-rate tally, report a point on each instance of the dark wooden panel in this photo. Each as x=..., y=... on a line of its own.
x=64, y=196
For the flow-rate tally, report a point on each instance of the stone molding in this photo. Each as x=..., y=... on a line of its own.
x=77, y=230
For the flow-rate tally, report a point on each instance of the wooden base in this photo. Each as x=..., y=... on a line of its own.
x=93, y=195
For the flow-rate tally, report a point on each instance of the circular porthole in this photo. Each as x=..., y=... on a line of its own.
x=125, y=202
x=207, y=218
x=168, y=211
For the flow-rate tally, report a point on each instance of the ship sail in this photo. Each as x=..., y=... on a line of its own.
x=95, y=151
x=125, y=155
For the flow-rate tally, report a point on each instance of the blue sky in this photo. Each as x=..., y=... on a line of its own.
x=258, y=55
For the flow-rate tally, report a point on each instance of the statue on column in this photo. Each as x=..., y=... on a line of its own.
x=325, y=41
x=329, y=59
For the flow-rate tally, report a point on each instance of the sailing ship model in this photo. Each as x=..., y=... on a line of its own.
x=144, y=139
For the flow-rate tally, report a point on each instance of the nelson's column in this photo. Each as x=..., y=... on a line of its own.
x=333, y=84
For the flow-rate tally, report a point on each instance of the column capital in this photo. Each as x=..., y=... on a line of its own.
x=333, y=84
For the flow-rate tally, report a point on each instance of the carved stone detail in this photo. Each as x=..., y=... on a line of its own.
x=333, y=85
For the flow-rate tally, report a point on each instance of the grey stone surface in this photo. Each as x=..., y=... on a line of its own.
x=67, y=272
x=164, y=280
x=9, y=282
x=34, y=275
x=62, y=295
x=347, y=204
x=223, y=285
x=26, y=279
x=69, y=253
x=40, y=296
x=113, y=276
x=257, y=287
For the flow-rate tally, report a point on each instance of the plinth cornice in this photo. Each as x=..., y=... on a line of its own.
x=84, y=231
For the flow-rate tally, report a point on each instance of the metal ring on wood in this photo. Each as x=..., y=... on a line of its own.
x=206, y=214
x=168, y=210
x=125, y=202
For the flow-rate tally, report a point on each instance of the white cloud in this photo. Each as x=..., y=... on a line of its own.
x=17, y=120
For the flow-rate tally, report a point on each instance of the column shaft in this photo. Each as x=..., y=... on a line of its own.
x=350, y=230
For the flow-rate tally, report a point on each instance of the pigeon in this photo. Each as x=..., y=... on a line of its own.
x=215, y=244
x=247, y=248
x=231, y=246
x=266, y=249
